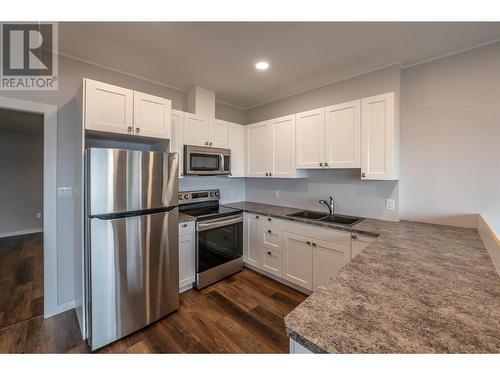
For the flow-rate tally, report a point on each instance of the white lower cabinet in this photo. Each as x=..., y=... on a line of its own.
x=328, y=259
x=298, y=260
x=301, y=255
x=187, y=248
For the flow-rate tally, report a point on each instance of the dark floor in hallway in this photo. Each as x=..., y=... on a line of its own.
x=21, y=278
x=241, y=314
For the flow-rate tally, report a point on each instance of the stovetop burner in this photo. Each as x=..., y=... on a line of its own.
x=203, y=204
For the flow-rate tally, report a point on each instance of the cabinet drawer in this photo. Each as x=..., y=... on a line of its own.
x=271, y=238
x=330, y=235
x=272, y=223
x=186, y=228
x=272, y=261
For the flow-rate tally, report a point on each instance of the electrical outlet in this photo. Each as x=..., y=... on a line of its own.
x=38, y=215
x=277, y=194
x=390, y=204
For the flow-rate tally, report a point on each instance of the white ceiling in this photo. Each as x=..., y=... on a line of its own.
x=23, y=122
x=221, y=56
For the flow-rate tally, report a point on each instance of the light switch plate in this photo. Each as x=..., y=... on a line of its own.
x=390, y=204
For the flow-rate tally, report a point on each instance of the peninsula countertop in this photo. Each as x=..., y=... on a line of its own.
x=418, y=288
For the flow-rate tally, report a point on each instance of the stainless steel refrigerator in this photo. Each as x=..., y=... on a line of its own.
x=132, y=260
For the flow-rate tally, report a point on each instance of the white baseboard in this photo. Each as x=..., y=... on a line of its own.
x=277, y=278
x=21, y=232
x=65, y=306
x=490, y=240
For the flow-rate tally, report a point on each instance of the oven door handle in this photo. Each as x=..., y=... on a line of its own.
x=201, y=227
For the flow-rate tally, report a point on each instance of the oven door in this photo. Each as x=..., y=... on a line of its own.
x=220, y=241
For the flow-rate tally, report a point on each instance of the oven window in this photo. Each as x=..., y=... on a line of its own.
x=219, y=245
x=204, y=162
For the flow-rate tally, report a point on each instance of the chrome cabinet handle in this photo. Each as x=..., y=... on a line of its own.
x=308, y=242
x=129, y=129
x=269, y=219
x=314, y=244
x=320, y=164
x=326, y=164
x=363, y=174
x=257, y=216
x=270, y=174
x=137, y=130
x=206, y=143
x=210, y=144
x=267, y=174
x=354, y=236
x=269, y=231
x=269, y=252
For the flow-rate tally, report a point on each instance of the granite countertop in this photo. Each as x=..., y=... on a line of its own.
x=419, y=288
x=183, y=218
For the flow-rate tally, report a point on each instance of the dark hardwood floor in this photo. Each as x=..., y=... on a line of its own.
x=21, y=278
x=241, y=314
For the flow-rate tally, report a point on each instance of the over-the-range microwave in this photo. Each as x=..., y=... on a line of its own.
x=206, y=161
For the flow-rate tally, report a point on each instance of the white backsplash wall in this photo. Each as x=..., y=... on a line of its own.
x=231, y=189
x=352, y=195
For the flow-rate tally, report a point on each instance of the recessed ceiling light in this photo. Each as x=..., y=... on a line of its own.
x=262, y=65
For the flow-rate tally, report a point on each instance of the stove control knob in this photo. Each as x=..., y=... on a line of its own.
x=211, y=194
x=186, y=196
x=216, y=194
x=179, y=196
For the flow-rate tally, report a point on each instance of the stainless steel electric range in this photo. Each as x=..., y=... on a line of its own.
x=219, y=235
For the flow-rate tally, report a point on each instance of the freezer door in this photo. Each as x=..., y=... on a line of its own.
x=134, y=276
x=127, y=180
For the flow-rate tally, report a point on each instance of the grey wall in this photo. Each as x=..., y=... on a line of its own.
x=450, y=139
x=21, y=176
x=71, y=73
x=352, y=195
x=231, y=189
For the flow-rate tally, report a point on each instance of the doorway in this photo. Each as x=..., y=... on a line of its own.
x=21, y=217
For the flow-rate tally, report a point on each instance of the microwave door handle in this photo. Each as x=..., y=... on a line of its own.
x=221, y=169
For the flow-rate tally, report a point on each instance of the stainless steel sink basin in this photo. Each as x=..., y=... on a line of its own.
x=341, y=219
x=309, y=215
x=321, y=216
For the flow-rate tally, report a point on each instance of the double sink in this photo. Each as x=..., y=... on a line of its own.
x=320, y=216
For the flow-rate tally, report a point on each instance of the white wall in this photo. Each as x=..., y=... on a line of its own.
x=352, y=195
x=450, y=139
x=21, y=176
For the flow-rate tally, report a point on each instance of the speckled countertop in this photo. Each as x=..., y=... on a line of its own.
x=419, y=288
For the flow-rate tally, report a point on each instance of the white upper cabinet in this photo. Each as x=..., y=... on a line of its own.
x=310, y=145
x=218, y=133
x=282, y=150
x=257, y=149
x=195, y=130
x=380, y=138
x=115, y=109
x=237, y=147
x=108, y=108
x=176, y=144
x=343, y=135
x=152, y=116
x=271, y=149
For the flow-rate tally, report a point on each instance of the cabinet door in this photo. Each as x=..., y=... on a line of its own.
x=272, y=261
x=176, y=143
x=253, y=246
x=108, y=108
x=237, y=147
x=380, y=138
x=257, y=149
x=218, y=133
x=152, y=116
x=186, y=260
x=195, y=130
x=283, y=147
x=310, y=142
x=297, y=260
x=328, y=260
x=343, y=135
x=359, y=243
